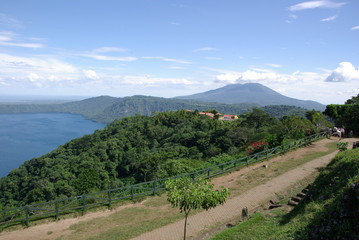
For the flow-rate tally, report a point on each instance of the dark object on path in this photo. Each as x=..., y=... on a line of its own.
x=245, y=213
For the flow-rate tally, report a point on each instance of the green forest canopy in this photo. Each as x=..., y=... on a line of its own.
x=345, y=115
x=143, y=148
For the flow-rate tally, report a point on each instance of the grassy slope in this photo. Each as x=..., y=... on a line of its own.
x=156, y=211
x=329, y=212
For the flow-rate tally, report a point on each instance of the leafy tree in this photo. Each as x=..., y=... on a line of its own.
x=297, y=127
x=317, y=118
x=353, y=100
x=87, y=181
x=188, y=194
x=346, y=115
x=257, y=118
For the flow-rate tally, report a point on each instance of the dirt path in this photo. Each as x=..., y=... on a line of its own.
x=203, y=220
x=250, y=199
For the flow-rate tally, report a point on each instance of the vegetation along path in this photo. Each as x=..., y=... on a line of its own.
x=245, y=195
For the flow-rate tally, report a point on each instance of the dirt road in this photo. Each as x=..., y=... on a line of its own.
x=230, y=210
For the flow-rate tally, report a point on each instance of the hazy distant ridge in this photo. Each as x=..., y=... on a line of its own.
x=107, y=109
x=232, y=99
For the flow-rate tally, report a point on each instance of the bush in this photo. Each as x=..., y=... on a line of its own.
x=342, y=146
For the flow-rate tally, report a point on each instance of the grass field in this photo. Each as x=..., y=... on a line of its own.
x=156, y=212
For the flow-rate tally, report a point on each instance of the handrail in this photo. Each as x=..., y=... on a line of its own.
x=107, y=197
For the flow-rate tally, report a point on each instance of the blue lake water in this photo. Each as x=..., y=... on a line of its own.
x=31, y=135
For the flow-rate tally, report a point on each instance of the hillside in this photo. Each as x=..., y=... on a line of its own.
x=107, y=109
x=89, y=108
x=329, y=211
x=144, y=105
x=128, y=221
x=141, y=148
x=251, y=93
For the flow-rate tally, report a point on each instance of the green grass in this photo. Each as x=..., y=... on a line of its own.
x=319, y=215
x=155, y=211
x=124, y=224
x=257, y=227
x=275, y=169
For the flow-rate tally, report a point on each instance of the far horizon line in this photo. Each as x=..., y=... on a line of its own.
x=20, y=98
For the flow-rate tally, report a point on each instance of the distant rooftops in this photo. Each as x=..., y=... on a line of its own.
x=225, y=117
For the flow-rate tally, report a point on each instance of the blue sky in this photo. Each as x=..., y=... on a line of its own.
x=302, y=49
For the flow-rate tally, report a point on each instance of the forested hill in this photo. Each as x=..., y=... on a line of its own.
x=107, y=109
x=141, y=148
x=90, y=108
x=145, y=105
x=253, y=93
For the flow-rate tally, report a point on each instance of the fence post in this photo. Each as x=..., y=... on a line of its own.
x=27, y=216
x=83, y=198
x=192, y=176
x=109, y=199
x=132, y=194
x=56, y=210
x=208, y=172
x=154, y=188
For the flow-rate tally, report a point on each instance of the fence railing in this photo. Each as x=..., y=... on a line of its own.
x=81, y=203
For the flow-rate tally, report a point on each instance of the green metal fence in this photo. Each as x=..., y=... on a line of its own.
x=81, y=203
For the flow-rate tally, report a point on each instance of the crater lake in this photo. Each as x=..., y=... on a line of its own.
x=24, y=136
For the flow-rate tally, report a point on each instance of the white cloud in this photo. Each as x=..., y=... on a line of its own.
x=148, y=80
x=91, y=74
x=45, y=64
x=20, y=71
x=24, y=45
x=293, y=16
x=8, y=39
x=33, y=77
x=101, y=54
x=315, y=4
x=6, y=36
x=109, y=49
x=344, y=73
x=169, y=60
x=206, y=49
x=113, y=58
x=255, y=76
x=329, y=19
x=176, y=67
x=274, y=65
x=355, y=28
x=8, y=21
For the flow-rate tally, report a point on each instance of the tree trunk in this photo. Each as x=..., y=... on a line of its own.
x=185, y=225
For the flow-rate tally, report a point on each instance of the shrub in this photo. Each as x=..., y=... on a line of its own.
x=342, y=146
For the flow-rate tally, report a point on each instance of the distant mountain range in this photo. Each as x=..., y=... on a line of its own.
x=251, y=93
x=232, y=99
x=107, y=109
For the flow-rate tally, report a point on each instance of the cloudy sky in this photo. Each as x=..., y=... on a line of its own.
x=302, y=49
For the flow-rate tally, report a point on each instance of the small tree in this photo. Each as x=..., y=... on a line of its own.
x=188, y=194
